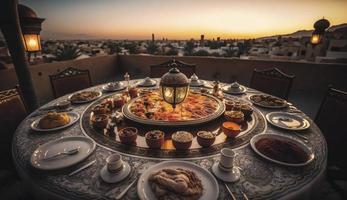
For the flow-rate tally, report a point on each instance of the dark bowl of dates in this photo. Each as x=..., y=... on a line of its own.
x=247, y=110
x=118, y=101
x=133, y=92
x=234, y=116
x=128, y=135
x=100, y=109
x=232, y=105
x=182, y=140
x=100, y=121
x=155, y=139
x=205, y=138
x=231, y=129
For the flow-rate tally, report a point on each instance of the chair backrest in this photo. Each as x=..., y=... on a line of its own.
x=69, y=80
x=12, y=112
x=159, y=70
x=272, y=81
x=332, y=119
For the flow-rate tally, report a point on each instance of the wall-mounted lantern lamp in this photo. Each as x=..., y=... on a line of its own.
x=31, y=28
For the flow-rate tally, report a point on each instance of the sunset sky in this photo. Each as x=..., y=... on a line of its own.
x=184, y=19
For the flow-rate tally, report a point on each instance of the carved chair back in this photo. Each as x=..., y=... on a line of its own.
x=272, y=81
x=69, y=80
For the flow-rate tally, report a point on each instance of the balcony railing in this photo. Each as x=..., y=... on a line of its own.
x=308, y=89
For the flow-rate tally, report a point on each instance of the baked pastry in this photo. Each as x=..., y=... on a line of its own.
x=155, y=139
x=180, y=184
x=54, y=120
x=234, y=116
x=182, y=139
x=205, y=138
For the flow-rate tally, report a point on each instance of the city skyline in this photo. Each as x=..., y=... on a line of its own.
x=136, y=20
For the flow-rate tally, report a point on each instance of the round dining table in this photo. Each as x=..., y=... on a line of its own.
x=260, y=178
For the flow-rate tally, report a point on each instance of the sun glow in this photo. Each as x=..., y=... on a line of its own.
x=185, y=19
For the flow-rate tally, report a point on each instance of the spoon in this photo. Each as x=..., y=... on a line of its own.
x=67, y=151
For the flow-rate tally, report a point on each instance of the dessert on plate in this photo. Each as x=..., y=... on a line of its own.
x=180, y=184
x=54, y=120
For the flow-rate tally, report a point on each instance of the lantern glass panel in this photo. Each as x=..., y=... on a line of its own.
x=181, y=93
x=168, y=94
x=32, y=42
x=315, y=39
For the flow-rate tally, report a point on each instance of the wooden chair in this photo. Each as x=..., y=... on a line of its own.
x=69, y=80
x=159, y=70
x=331, y=119
x=12, y=112
x=272, y=81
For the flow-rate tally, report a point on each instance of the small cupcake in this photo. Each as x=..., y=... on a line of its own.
x=247, y=110
x=155, y=139
x=182, y=140
x=231, y=129
x=100, y=121
x=234, y=116
x=205, y=138
x=128, y=135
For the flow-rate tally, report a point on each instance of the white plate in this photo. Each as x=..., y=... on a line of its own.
x=86, y=147
x=296, y=122
x=309, y=152
x=265, y=106
x=106, y=88
x=115, y=177
x=226, y=90
x=210, y=184
x=86, y=101
x=73, y=119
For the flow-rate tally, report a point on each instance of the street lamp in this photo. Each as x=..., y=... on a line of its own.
x=31, y=28
x=174, y=86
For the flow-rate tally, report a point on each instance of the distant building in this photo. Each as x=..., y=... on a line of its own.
x=202, y=40
x=152, y=37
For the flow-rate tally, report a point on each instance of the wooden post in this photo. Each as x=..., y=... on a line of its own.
x=10, y=27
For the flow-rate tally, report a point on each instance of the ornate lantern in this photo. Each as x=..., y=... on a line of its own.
x=319, y=30
x=31, y=28
x=174, y=86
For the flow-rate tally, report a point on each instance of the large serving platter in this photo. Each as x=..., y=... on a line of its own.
x=217, y=113
x=254, y=125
